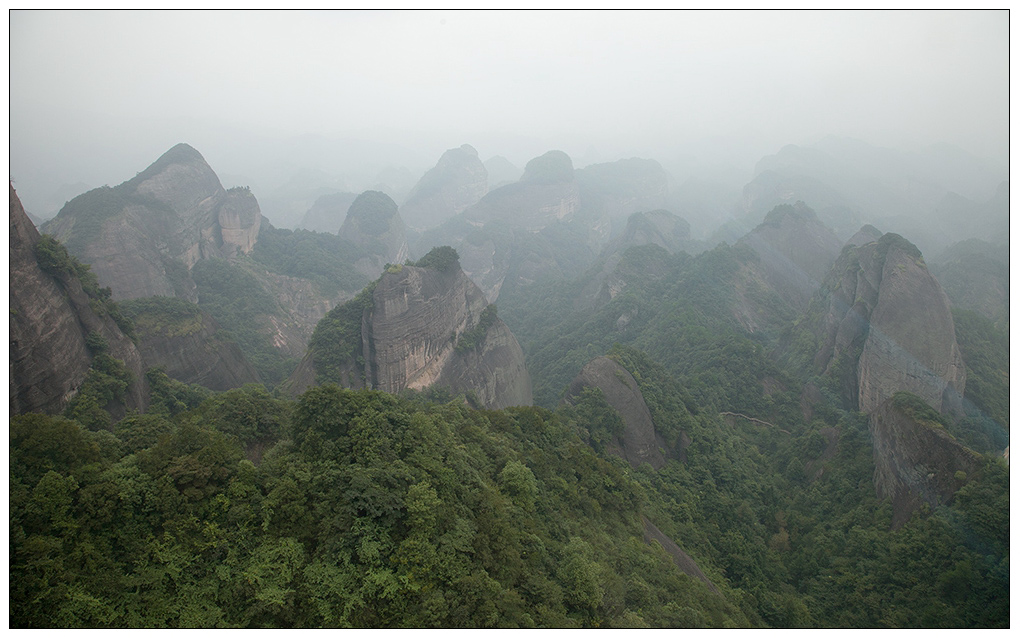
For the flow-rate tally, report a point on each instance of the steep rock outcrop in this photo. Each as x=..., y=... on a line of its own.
x=51, y=318
x=545, y=193
x=653, y=228
x=659, y=227
x=865, y=235
x=374, y=225
x=135, y=235
x=680, y=558
x=796, y=249
x=456, y=182
x=328, y=212
x=916, y=461
x=638, y=443
x=886, y=327
x=185, y=341
x=418, y=327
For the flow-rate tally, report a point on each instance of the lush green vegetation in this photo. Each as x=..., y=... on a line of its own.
x=92, y=209
x=371, y=510
x=236, y=299
x=54, y=258
x=164, y=316
x=368, y=510
x=473, y=338
x=441, y=258
x=335, y=346
x=985, y=350
x=373, y=211
x=105, y=383
x=323, y=258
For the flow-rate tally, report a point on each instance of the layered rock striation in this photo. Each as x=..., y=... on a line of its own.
x=53, y=321
x=419, y=327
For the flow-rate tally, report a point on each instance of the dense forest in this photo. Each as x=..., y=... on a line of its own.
x=363, y=509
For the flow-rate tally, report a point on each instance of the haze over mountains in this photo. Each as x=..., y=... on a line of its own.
x=566, y=366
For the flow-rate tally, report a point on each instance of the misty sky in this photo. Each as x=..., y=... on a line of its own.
x=628, y=83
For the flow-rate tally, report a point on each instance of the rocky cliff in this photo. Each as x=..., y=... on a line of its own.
x=186, y=341
x=916, y=460
x=57, y=324
x=796, y=249
x=545, y=193
x=886, y=327
x=327, y=214
x=137, y=235
x=456, y=182
x=418, y=327
x=374, y=225
x=638, y=443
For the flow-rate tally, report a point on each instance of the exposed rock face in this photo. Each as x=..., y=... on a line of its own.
x=423, y=327
x=639, y=442
x=796, y=251
x=191, y=351
x=328, y=212
x=456, y=182
x=865, y=235
x=50, y=319
x=659, y=227
x=173, y=211
x=916, y=460
x=374, y=225
x=302, y=307
x=887, y=328
x=680, y=558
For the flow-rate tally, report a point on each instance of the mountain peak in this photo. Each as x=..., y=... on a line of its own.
x=550, y=168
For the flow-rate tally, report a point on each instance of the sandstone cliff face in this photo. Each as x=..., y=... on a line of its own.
x=421, y=327
x=374, y=225
x=796, y=250
x=191, y=351
x=173, y=211
x=456, y=182
x=50, y=319
x=887, y=328
x=916, y=460
x=639, y=443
